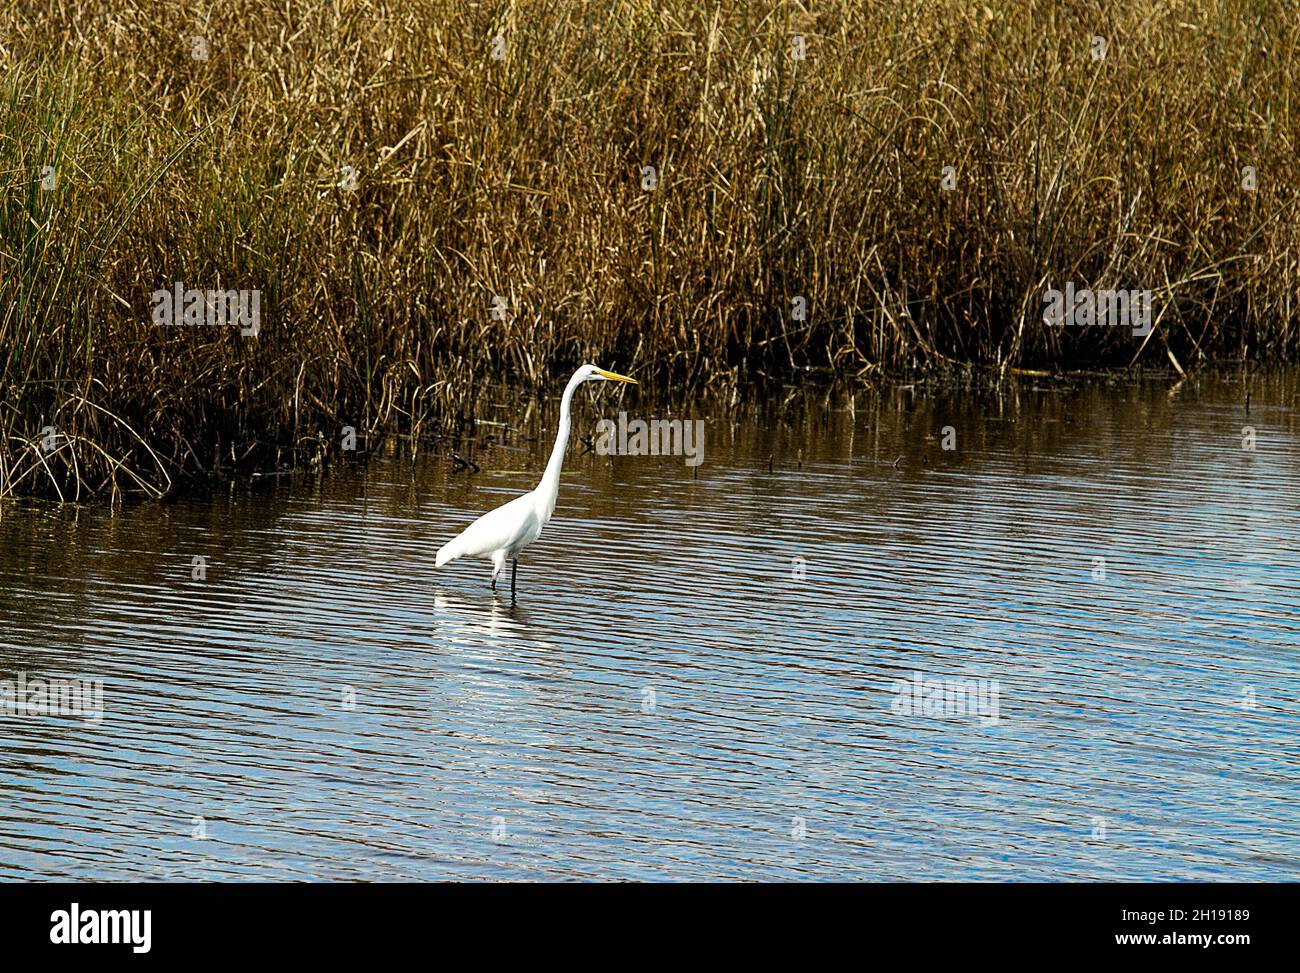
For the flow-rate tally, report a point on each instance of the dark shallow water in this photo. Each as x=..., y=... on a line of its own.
x=701, y=677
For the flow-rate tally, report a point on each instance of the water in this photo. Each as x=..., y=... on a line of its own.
x=701, y=677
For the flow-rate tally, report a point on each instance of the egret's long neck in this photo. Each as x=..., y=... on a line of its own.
x=549, y=488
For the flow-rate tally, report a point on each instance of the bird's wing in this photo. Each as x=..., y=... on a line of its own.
x=494, y=530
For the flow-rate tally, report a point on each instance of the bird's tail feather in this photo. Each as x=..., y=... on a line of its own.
x=449, y=552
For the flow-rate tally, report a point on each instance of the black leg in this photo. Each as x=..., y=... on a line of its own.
x=514, y=569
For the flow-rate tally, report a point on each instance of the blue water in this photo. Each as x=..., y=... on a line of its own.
x=700, y=678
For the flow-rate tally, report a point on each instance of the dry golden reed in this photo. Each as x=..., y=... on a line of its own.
x=435, y=195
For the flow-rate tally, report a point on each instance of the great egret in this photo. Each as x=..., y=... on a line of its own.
x=502, y=533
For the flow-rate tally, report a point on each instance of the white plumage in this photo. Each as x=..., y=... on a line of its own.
x=501, y=534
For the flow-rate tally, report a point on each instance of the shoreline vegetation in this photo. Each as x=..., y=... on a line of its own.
x=425, y=200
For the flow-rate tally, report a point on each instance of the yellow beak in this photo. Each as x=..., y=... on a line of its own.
x=615, y=376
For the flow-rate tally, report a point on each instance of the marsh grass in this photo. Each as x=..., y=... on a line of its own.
x=521, y=177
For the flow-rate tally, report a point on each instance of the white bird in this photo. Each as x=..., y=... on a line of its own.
x=501, y=534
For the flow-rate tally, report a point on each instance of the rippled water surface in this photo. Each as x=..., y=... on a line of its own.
x=703, y=675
